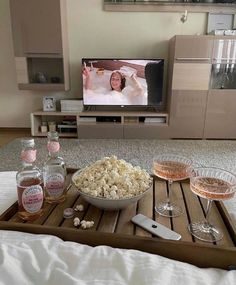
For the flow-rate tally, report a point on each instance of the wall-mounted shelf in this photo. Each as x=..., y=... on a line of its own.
x=169, y=7
x=39, y=30
x=41, y=86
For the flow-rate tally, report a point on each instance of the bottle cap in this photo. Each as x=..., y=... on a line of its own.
x=68, y=213
x=52, y=135
x=27, y=142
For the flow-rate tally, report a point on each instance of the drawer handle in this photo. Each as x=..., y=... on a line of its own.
x=193, y=58
x=224, y=58
x=41, y=53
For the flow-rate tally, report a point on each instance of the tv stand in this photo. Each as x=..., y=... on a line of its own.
x=106, y=124
x=130, y=124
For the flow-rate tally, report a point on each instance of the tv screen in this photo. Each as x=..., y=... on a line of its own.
x=122, y=82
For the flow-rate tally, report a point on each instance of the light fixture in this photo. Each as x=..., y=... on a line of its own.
x=184, y=17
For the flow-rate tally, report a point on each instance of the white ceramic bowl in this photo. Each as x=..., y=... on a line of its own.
x=108, y=204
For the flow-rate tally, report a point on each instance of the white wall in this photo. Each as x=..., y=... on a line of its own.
x=92, y=33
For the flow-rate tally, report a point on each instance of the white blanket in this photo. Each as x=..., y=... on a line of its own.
x=8, y=194
x=41, y=259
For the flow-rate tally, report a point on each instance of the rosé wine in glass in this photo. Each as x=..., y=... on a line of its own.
x=210, y=183
x=212, y=188
x=170, y=167
x=172, y=170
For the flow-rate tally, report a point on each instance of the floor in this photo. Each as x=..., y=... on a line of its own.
x=9, y=134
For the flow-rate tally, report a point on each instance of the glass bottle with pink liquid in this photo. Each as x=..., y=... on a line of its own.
x=29, y=184
x=54, y=171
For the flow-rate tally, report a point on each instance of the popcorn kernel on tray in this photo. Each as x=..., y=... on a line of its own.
x=113, y=179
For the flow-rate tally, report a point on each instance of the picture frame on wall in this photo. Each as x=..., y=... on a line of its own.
x=218, y=23
x=49, y=104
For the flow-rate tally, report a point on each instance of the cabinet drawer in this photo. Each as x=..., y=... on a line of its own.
x=100, y=131
x=193, y=47
x=144, y=131
x=191, y=76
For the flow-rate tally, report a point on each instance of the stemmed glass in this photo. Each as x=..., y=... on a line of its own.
x=212, y=184
x=172, y=168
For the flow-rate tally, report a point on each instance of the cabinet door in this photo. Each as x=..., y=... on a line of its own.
x=224, y=50
x=36, y=26
x=191, y=76
x=193, y=47
x=146, y=131
x=187, y=114
x=221, y=115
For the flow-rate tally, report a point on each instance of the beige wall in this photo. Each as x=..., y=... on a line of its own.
x=92, y=33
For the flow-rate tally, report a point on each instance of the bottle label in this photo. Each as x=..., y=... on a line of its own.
x=28, y=156
x=53, y=146
x=32, y=198
x=55, y=184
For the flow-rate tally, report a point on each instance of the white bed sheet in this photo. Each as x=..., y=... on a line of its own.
x=41, y=259
x=8, y=194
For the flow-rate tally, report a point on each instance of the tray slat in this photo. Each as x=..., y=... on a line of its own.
x=193, y=207
x=145, y=207
x=179, y=223
x=216, y=219
x=108, y=222
x=160, y=189
x=124, y=225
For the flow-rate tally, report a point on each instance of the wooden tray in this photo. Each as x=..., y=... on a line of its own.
x=114, y=228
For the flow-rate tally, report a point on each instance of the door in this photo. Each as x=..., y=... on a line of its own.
x=224, y=51
x=187, y=114
x=221, y=115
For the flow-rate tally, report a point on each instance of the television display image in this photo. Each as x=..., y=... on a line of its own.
x=122, y=82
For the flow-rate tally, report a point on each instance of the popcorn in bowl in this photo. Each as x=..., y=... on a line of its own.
x=112, y=179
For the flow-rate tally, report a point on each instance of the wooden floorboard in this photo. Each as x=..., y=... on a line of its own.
x=9, y=134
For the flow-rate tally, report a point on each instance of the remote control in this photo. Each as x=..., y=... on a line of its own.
x=155, y=228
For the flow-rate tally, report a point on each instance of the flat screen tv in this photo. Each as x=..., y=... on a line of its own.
x=123, y=82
